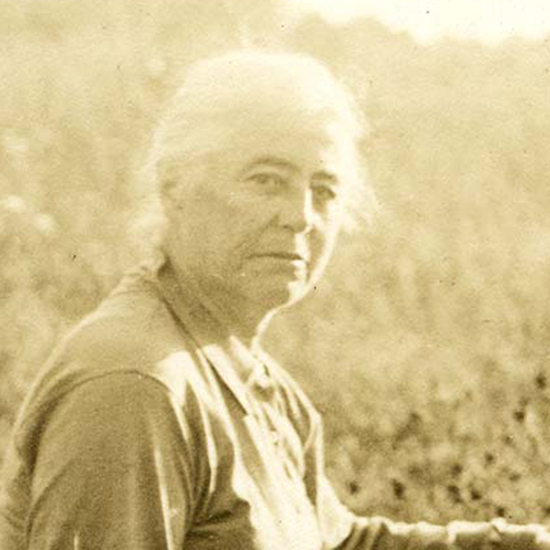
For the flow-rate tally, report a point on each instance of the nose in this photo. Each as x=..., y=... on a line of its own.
x=298, y=212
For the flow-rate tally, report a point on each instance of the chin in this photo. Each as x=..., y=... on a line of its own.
x=283, y=296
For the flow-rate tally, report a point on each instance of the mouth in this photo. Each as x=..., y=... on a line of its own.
x=285, y=256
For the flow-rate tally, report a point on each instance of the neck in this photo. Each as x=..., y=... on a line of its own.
x=225, y=314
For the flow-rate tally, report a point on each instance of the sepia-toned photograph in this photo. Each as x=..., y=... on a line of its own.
x=274, y=275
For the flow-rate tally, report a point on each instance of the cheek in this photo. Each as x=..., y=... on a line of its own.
x=236, y=209
x=230, y=235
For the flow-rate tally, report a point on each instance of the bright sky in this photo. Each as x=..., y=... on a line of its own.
x=428, y=20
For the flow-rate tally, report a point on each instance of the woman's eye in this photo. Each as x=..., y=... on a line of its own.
x=268, y=180
x=324, y=193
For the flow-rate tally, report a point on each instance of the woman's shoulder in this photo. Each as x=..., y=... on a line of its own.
x=131, y=329
x=130, y=333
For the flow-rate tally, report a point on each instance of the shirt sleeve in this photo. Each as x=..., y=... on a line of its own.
x=113, y=470
x=342, y=530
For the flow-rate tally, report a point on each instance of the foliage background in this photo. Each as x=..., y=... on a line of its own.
x=426, y=345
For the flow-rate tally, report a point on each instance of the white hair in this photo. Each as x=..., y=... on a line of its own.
x=229, y=87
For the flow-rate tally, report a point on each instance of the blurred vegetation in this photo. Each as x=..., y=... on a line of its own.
x=426, y=346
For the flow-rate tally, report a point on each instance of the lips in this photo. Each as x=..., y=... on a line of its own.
x=282, y=255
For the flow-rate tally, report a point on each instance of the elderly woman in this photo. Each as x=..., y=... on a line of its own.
x=159, y=423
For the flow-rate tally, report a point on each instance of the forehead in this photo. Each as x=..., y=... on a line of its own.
x=294, y=137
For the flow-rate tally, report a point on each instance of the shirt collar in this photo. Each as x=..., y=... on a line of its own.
x=230, y=358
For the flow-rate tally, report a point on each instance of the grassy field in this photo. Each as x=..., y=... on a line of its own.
x=426, y=346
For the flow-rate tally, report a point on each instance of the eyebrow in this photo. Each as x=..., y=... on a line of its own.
x=279, y=163
x=274, y=162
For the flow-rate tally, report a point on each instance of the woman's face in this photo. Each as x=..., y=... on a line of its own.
x=262, y=224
